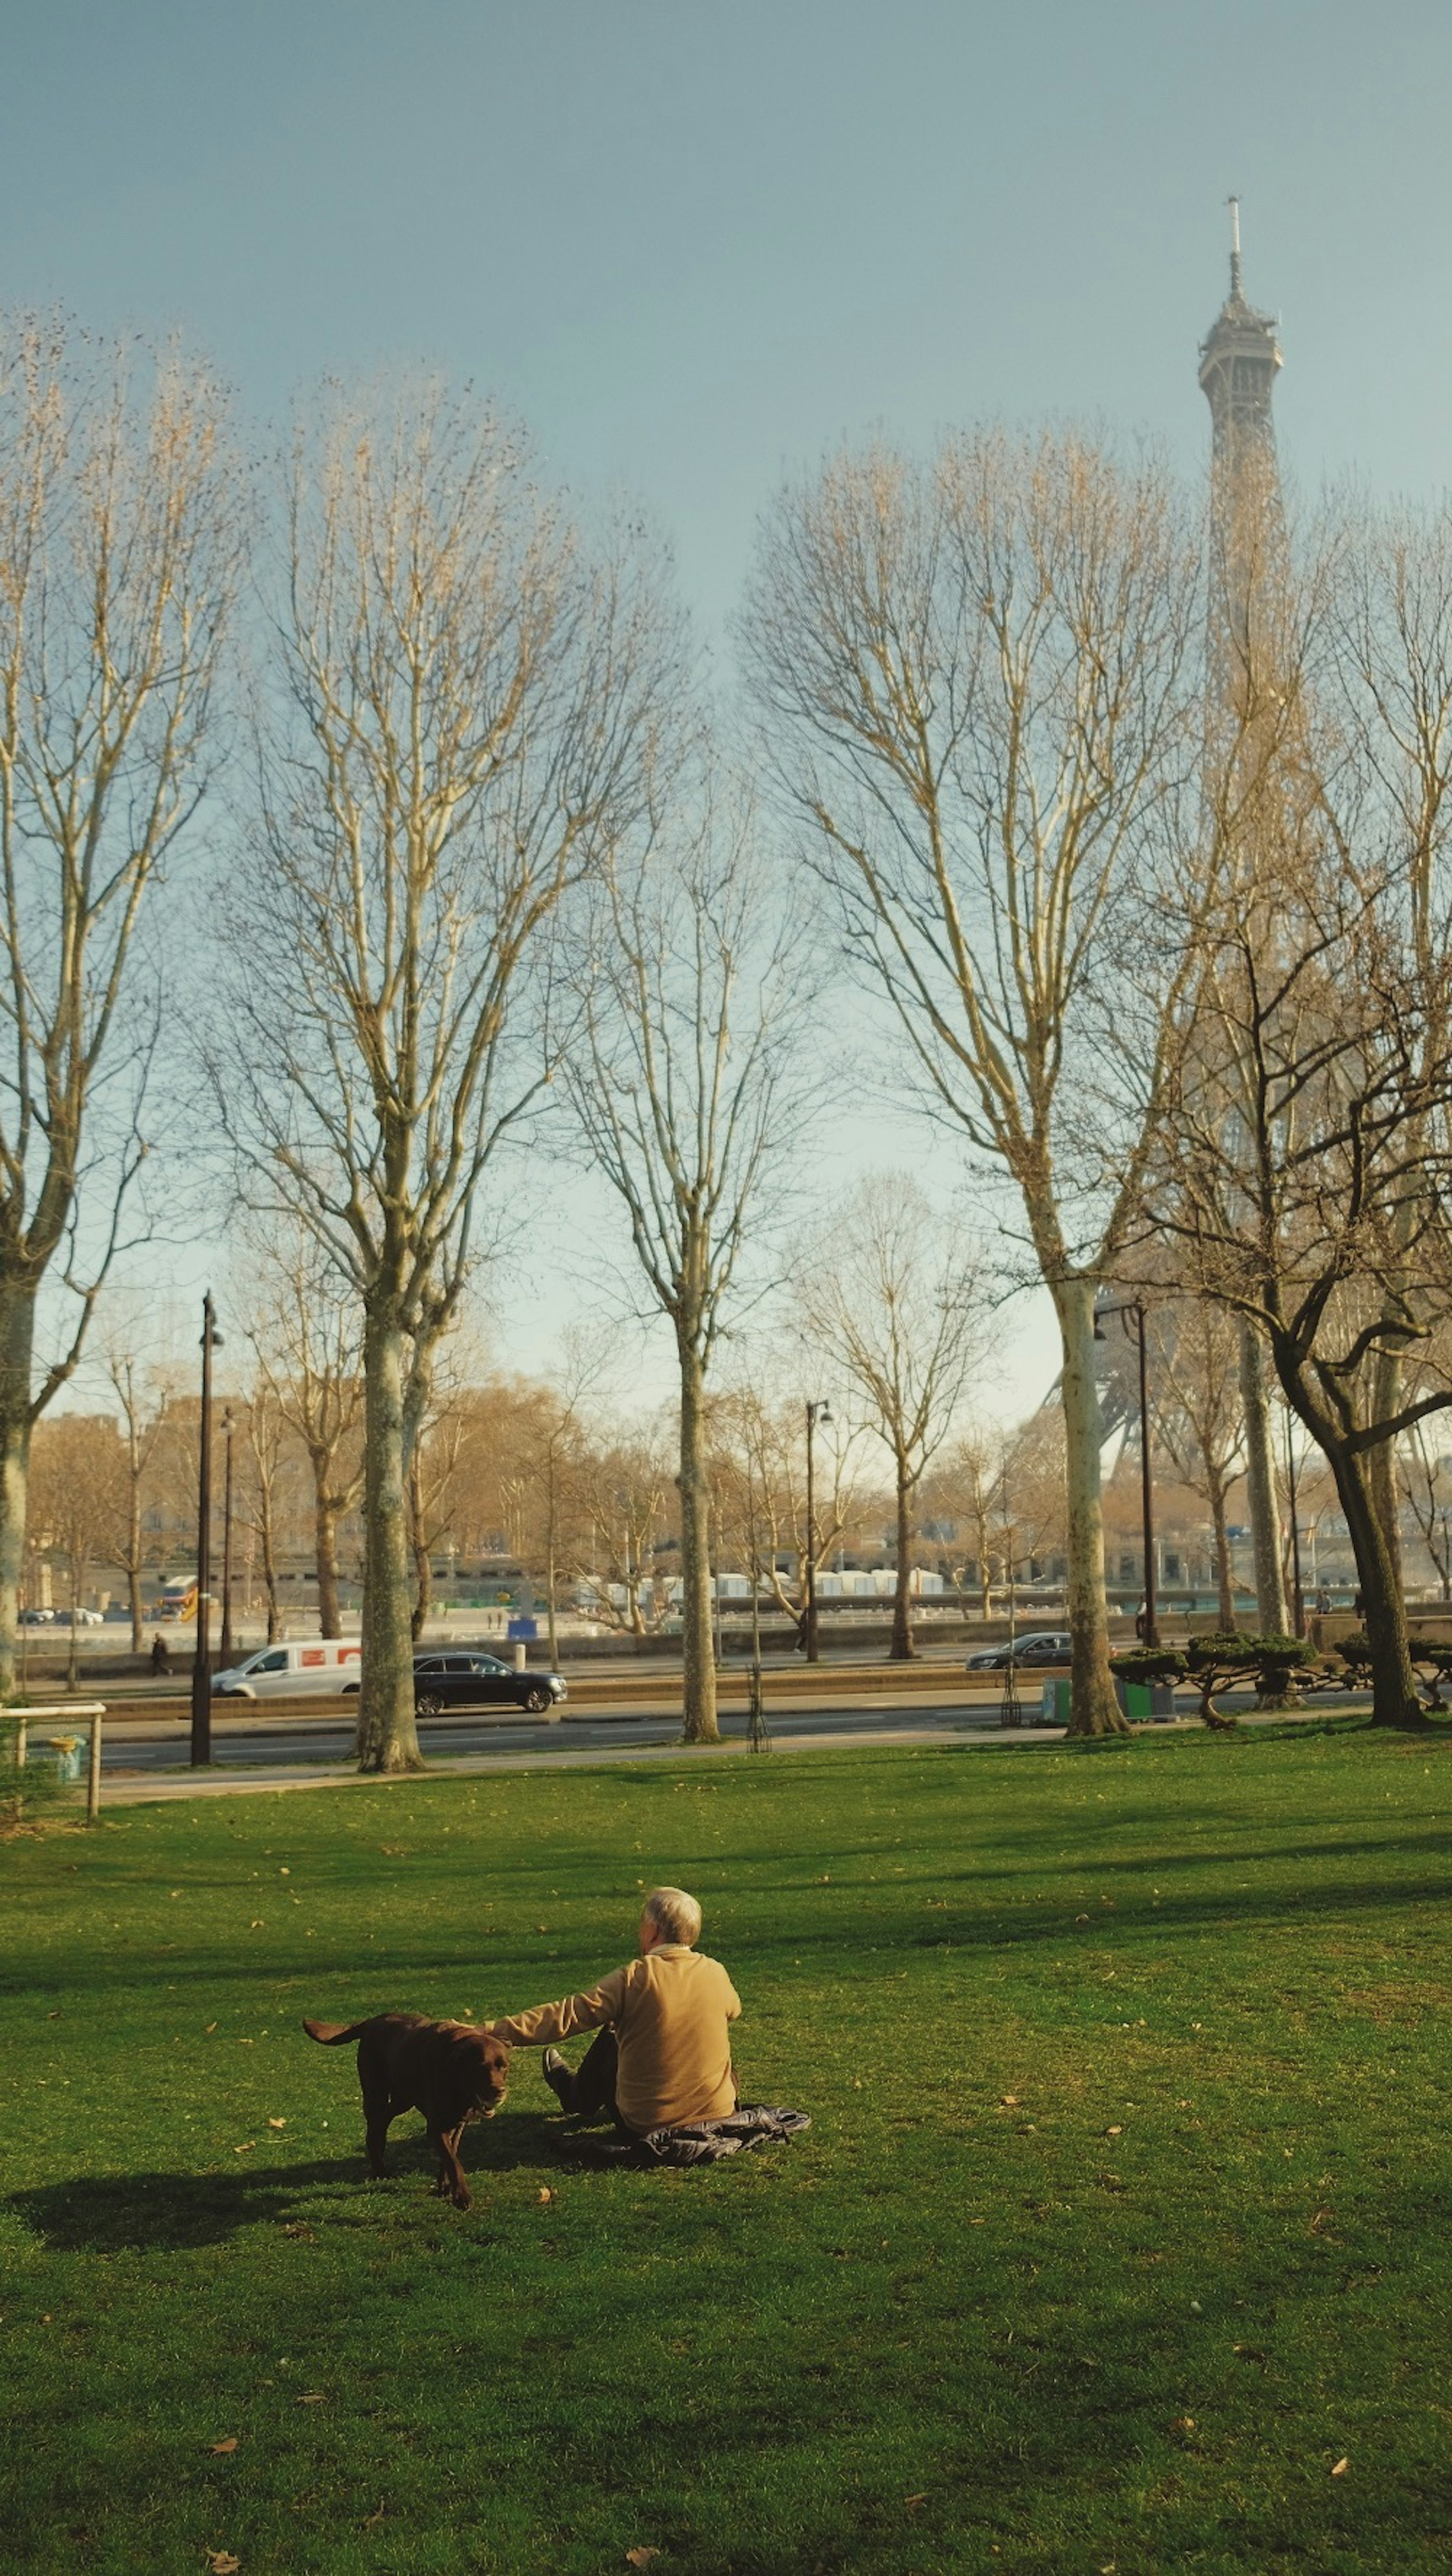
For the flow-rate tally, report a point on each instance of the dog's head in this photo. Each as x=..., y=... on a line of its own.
x=486, y=2061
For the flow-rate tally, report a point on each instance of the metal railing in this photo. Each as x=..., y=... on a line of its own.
x=22, y=1719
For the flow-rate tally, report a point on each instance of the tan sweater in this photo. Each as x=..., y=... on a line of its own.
x=669, y=2012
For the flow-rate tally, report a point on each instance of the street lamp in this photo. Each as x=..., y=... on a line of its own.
x=1135, y=1306
x=815, y=1413
x=201, y=1660
x=224, y=1642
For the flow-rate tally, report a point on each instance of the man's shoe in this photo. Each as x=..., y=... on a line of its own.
x=557, y=2076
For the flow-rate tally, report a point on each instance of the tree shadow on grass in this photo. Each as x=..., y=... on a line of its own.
x=116, y=2213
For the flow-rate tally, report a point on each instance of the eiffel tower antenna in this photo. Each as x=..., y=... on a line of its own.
x=1234, y=204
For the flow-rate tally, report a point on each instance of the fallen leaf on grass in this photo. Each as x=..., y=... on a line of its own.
x=1008, y=2101
x=222, y=2563
x=277, y=2124
x=257, y=1924
x=246, y=2147
x=640, y=2557
x=1183, y=2424
x=1114, y=2133
x=314, y=2397
x=229, y=2445
x=211, y=2026
x=546, y=2194
x=369, y=2519
x=1341, y=2468
x=911, y=2503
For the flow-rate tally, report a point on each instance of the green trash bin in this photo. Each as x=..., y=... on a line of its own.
x=1054, y=1709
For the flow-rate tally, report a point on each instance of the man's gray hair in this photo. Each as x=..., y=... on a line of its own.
x=676, y=1916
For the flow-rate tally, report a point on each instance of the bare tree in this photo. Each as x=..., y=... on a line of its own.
x=1197, y=1415
x=143, y=1402
x=434, y=1452
x=1323, y=1037
x=1307, y=1168
x=689, y=1000
x=626, y=1489
x=758, y=1477
x=982, y=679
x=554, y=1450
x=887, y=1291
x=963, y=1489
x=266, y=1442
x=453, y=723
x=307, y=1344
x=1423, y=1482
x=118, y=559
x=79, y=1479
x=1392, y=658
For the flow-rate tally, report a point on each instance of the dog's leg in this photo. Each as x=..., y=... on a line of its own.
x=453, y=2182
x=378, y=2110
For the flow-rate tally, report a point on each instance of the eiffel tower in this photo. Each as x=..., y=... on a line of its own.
x=1239, y=362
x=1240, y=359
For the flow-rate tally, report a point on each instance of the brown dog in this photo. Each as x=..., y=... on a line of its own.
x=450, y=2071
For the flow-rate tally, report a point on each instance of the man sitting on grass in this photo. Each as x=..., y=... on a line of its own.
x=663, y=2056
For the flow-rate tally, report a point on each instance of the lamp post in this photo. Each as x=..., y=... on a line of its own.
x=224, y=1642
x=815, y=1413
x=201, y=1660
x=1135, y=1306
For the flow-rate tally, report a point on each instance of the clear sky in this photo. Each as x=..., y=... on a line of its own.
x=695, y=245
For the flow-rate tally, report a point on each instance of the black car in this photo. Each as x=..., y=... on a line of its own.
x=479, y=1681
x=1043, y=1646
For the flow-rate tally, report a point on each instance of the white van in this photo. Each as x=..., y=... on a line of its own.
x=287, y=1672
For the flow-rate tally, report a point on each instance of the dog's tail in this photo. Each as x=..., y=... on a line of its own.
x=333, y=2033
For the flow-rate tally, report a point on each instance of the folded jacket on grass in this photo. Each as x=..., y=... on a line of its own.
x=695, y=2142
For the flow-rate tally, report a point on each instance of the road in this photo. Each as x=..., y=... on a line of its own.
x=256, y=1741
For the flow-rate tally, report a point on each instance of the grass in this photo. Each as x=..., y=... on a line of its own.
x=1122, y=2221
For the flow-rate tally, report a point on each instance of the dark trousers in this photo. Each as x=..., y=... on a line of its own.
x=589, y=2093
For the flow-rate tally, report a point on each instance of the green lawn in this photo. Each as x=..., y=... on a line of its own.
x=1122, y=2221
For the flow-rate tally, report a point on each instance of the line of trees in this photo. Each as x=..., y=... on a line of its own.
x=1153, y=912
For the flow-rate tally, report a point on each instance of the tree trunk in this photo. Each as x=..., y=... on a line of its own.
x=423, y=1565
x=269, y=1568
x=699, y=1660
x=902, y=1650
x=1394, y=1700
x=326, y=1528
x=387, y=1731
x=1272, y=1615
x=1224, y=1582
x=1381, y=1462
x=73, y=1662
x=1093, y=1708
x=550, y=1550
x=17, y=1344
x=135, y=1577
